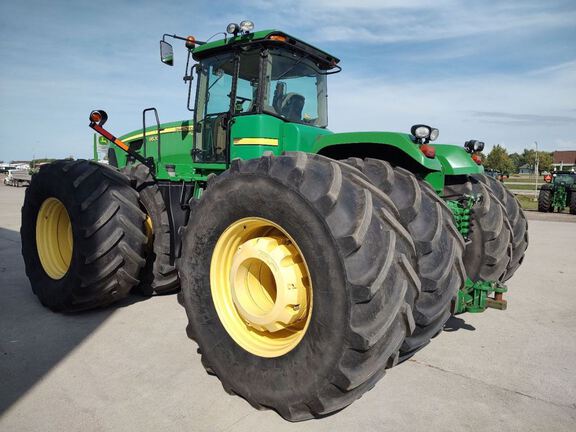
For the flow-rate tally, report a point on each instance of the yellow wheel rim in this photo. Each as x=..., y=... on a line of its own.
x=54, y=240
x=261, y=287
x=149, y=230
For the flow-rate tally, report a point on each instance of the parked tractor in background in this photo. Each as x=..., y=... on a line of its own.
x=308, y=261
x=558, y=192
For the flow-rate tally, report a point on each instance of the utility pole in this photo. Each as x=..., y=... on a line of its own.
x=536, y=172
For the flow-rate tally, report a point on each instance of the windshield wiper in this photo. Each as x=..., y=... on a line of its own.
x=293, y=66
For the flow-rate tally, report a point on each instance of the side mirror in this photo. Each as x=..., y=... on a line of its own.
x=166, y=53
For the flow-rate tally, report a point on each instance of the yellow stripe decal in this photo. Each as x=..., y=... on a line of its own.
x=256, y=141
x=188, y=129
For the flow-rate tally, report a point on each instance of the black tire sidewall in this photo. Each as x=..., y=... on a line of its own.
x=545, y=200
x=53, y=293
x=159, y=273
x=306, y=367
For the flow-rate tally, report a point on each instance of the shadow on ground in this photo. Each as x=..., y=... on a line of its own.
x=33, y=339
x=456, y=323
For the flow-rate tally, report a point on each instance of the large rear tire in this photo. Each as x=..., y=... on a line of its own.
x=516, y=219
x=82, y=235
x=439, y=246
x=572, y=203
x=488, y=253
x=359, y=283
x=159, y=275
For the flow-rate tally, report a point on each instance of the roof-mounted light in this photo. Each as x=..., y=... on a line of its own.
x=233, y=29
x=278, y=38
x=423, y=133
x=246, y=26
x=190, y=42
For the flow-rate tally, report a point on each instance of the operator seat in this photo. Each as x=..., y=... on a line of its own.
x=292, y=106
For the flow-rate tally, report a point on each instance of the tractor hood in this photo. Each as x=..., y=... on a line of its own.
x=456, y=160
x=400, y=142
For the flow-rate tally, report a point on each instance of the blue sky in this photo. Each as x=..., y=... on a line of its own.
x=500, y=71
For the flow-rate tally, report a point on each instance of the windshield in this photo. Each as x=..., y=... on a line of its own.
x=294, y=89
x=567, y=179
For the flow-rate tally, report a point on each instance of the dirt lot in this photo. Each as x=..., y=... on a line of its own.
x=132, y=368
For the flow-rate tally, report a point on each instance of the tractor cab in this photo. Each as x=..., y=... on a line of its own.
x=565, y=178
x=253, y=82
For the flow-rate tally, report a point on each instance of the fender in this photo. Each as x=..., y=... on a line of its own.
x=456, y=160
x=379, y=145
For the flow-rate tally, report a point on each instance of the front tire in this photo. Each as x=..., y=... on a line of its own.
x=545, y=200
x=360, y=264
x=82, y=235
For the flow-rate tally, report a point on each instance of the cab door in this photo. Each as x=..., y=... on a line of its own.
x=213, y=107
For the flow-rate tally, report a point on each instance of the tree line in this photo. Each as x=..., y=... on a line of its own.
x=498, y=159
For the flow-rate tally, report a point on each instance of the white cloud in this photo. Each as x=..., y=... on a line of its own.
x=515, y=109
x=386, y=22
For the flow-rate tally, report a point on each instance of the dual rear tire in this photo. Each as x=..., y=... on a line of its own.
x=82, y=235
x=91, y=234
x=439, y=246
x=498, y=231
x=159, y=275
x=357, y=278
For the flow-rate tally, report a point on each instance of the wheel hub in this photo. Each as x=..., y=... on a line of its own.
x=267, y=287
x=260, y=286
x=54, y=239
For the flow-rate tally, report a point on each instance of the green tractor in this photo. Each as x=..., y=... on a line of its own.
x=558, y=192
x=308, y=262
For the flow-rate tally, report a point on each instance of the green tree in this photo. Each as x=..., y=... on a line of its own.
x=545, y=162
x=516, y=161
x=499, y=160
x=545, y=159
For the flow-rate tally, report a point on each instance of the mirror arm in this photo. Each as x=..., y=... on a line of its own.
x=165, y=35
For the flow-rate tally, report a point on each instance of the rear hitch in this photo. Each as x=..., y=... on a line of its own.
x=477, y=296
x=461, y=208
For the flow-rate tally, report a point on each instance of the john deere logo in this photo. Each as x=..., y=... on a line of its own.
x=102, y=140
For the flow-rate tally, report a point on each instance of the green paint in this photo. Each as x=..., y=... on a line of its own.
x=456, y=160
x=559, y=198
x=94, y=146
x=462, y=212
x=396, y=140
x=436, y=180
x=175, y=149
x=192, y=153
x=475, y=297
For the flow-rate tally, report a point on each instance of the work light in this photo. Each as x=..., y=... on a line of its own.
x=473, y=146
x=420, y=131
x=246, y=26
x=233, y=28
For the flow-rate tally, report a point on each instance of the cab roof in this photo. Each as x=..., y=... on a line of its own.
x=263, y=37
